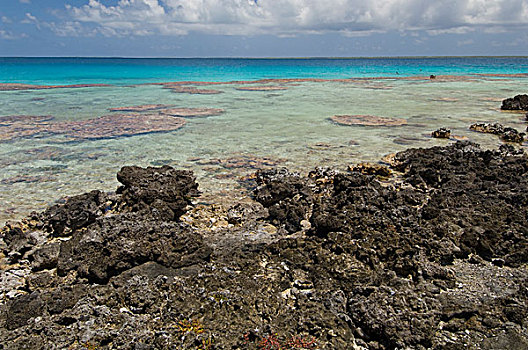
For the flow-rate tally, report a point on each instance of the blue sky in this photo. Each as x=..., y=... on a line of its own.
x=263, y=28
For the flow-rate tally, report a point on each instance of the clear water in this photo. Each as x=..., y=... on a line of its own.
x=290, y=126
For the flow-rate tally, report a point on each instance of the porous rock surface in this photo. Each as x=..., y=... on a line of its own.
x=435, y=259
x=519, y=102
x=506, y=133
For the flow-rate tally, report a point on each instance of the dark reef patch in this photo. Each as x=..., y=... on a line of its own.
x=367, y=120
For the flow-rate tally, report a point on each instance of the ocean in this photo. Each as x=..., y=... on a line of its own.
x=226, y=118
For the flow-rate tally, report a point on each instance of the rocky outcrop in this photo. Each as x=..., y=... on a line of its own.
x=442, y=133
x=163, y=192
x=519, y=102
x=434, y=259
x=506, y=134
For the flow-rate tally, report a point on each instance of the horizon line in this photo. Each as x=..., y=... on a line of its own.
x=278, y=57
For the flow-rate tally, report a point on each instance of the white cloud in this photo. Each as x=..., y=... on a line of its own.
x=6, y=20
x=25, y=1
x=8, y=35
x=290, y=17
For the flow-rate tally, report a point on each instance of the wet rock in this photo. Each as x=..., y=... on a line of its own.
x=367, y=120
x=512, y=135
x=442, y=133
x=506, y=134
x=519, y=102
x=164, y=191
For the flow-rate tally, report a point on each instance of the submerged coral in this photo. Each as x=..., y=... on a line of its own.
x=367, y=120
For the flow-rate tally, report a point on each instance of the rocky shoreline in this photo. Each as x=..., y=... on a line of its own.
x=431, y=253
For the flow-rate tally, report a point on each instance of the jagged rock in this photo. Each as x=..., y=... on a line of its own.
x=442, y=133
x=78, y=212
x=164, y=191
x=45, y=257
x=519, y=102
x=286, y=195
x=21, y=309
x=436, y=259
x=371, y=169
x=506, y=134
x=116, y=244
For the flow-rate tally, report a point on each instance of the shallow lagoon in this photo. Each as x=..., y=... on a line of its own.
x=289, y=127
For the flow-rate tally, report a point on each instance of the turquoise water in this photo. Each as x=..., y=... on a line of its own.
x=288, y=127
x=50, y=71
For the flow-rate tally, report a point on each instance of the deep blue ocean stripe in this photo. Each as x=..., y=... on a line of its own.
x=52, y=71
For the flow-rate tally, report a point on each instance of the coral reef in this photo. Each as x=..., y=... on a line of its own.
x=367, y=120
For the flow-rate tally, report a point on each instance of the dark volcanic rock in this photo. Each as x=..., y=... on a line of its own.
x=116, y=244
x=77, y=212
x=436, y=259
x=163, y=191
x=442, y=133
x=20, y=310
x=495, y=179
x=519, y=102
x=506, y=134
x=371, y=169
x=286, y=195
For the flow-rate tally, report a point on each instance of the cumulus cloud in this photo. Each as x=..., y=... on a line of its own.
x=290, y=17
x=8, y=35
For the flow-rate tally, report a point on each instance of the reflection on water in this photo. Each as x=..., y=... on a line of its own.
x=262, y=126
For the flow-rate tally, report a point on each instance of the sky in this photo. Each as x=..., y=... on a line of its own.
x=263, y=28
